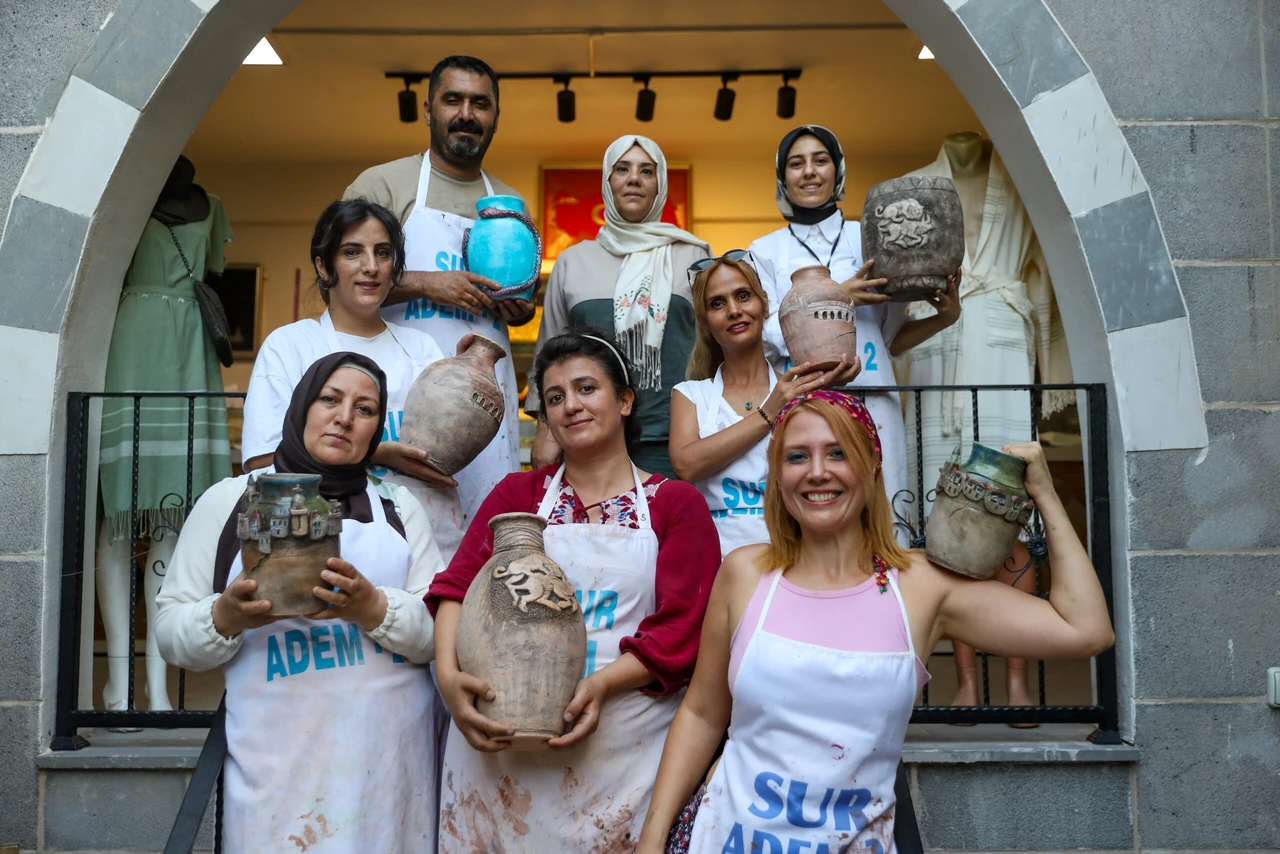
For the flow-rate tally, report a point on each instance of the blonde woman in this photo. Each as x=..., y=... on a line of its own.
x=809, y=648
x=720, y=417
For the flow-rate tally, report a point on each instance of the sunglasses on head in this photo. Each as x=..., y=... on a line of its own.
x=703, y=263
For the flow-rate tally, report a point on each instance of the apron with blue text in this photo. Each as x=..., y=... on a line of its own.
x=735, y=494
x=877, y=367
x=592, y=797
x=813, y=748
x=328, y=734
x=443, y=507
x=433, y=243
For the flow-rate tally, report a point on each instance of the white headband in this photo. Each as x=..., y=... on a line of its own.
x=625, y=376
x=349, y=363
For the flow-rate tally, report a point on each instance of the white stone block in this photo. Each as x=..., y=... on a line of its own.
x=1157, y=387
x=75, y=158
x=26, y=387
x=1083, y=146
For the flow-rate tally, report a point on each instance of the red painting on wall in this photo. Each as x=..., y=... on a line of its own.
x=573, y=208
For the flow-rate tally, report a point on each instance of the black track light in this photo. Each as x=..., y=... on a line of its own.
x=566, y=107
x=646, y=99
x=786, y=98
x=408, y=105
x=724, y=98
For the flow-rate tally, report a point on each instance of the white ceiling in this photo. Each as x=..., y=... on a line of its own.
x=331, y=102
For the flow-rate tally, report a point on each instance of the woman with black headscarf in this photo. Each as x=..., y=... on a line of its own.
x=328, y=716
x=810, y=169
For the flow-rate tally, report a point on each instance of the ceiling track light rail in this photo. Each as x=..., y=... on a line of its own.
x=646, y=98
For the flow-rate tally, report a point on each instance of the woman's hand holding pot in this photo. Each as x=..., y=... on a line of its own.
x=355, y=598
x=234, y=611
x=460, y=691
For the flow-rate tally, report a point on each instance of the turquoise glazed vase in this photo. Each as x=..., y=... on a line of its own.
x=978, y=510
x=504, y=245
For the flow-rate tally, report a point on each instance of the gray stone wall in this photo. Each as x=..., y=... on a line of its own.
x=40, y=42
x=1196, y=86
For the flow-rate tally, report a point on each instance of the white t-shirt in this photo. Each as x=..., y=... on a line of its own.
x=288, y=352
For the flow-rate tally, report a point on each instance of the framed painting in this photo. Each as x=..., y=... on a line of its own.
x=240, y=289
x=573, y=206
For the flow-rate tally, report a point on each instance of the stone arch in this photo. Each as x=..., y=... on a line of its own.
x=157, y=65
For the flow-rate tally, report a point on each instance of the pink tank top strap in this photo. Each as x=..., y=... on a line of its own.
x=854, y=619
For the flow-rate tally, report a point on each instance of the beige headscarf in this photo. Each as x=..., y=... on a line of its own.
x=642, y=292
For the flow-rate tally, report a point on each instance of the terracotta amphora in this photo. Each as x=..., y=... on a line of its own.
x=914, y=229
x=522, y=631
x=287, y=532
x=979, y=509
x=455, y=407
x=817, y=319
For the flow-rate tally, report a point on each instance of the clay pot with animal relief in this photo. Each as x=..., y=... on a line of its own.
x=913, y=228
x=979, y=510
x=287, y=533
x=522, y=631
x=455, y=407
x=817, y=319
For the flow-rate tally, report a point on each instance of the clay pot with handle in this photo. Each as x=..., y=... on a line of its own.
x=455, y=407
x=979, y=509
x=287, y=532
x=914, y=229
x=522, y=631
x=817, y=319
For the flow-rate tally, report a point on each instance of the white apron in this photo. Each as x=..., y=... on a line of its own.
x=433, y=243
x=443, y=507
x=877, y=365
x=735, y=494
x=813, y=749
x=328, y=735
x=593, y=797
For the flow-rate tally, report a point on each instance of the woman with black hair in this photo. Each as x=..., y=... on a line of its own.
x=328, y=716
x=359, y=256
x=642, y=552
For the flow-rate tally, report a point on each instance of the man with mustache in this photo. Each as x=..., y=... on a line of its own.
x=435, y=197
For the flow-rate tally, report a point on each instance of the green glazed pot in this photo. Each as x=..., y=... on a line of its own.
x=978, y=512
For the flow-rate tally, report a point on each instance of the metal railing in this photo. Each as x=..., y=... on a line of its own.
x=1092, y=399
x=80, y=488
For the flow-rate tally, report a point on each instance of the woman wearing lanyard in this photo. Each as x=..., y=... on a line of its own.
x=810, y=182
x=809, y=653
x=313, y=703
x=642, y=553
x=720, y=417
x=358, y=252
x=631, y=280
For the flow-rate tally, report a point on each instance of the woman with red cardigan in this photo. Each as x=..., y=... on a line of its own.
x=642, y=553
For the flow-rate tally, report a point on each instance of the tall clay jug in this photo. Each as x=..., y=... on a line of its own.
x=914, y=229
x=287, y=532
x=504, y=245
x=979, y=509
x=522, y=631
x=817, y=319
x=454, y=408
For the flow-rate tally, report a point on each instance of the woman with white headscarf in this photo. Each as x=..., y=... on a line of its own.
x=631, y=281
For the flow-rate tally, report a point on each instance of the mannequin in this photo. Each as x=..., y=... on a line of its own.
x=1007, y=309
x=158, y=344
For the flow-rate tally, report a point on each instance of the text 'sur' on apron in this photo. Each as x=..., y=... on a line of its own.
x=592, y=797
x=328, y=734
x=433, y=243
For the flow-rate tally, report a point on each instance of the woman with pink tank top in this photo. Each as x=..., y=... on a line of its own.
x=809, y=649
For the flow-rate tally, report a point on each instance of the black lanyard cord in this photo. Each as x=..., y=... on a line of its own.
x=815, y=254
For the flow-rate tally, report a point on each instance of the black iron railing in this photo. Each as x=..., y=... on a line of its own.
x=80, y=487
x=909, y=508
